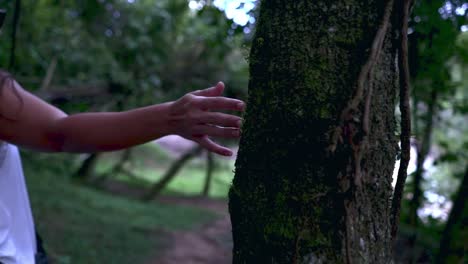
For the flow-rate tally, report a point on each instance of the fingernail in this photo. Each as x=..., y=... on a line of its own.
x=235, y=133
x=239, y=123
x=227, y=153
x=240, y=106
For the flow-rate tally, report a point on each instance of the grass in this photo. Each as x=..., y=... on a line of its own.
x=82, y=225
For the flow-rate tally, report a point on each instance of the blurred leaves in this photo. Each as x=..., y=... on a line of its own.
x=152, y=50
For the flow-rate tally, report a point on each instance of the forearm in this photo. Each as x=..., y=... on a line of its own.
x=95, y=132
x=27, y=121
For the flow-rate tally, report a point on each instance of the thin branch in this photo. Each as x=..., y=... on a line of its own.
x=49, y=75
x=405, y=118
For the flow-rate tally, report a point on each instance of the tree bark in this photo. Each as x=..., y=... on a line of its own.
x=313, y=175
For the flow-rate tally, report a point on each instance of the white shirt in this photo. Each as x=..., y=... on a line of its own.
x=17, y=235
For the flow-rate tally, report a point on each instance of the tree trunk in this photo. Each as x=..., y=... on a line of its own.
x=119, y=166
x=314, y=170
x=453, y=242
x=87, y=167
x=209, y=174
x=16, y=17
x=424, y=146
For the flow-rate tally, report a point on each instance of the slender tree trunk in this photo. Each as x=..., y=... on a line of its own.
x=118, y=167
x=209, y=174
x=314, y=170
x=156, y=189
x=423, y=150
x=453, y=250
x=87, y=168
x=16, y=17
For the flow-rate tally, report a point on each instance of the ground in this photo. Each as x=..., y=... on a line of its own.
x=210, y=244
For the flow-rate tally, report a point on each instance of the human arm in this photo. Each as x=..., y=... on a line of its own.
x=27, y=121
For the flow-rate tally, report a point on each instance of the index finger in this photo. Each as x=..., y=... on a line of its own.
x=216, y=90
x=220, y=103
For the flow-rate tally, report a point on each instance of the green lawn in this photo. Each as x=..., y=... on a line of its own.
x=82, y=225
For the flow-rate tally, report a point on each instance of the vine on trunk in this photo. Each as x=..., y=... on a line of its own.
x=405, y=117
x=348, y=118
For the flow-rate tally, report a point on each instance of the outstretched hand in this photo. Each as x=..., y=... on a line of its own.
x=194, y=117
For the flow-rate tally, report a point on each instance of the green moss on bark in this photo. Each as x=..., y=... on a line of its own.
x=286, y=203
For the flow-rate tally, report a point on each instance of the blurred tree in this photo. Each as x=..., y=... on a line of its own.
x=454, y=237
x=209, y=174
x=313, y=175
x=437, y=99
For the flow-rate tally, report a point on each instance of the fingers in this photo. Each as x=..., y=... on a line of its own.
x=208, y=144
x=219, y=103
x=216, y=90
x=216, y=131
x=211, y=99
x=220, y=119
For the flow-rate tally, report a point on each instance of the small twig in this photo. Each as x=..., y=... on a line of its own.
x=405, y=118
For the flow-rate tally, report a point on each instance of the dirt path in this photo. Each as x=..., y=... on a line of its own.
x=210, y=244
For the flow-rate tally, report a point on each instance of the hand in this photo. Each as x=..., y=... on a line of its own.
x=191, y=117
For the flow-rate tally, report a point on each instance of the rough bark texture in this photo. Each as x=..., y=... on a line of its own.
x=292, y=201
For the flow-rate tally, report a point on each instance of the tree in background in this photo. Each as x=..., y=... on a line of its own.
x=313, y=175
x=438, y=64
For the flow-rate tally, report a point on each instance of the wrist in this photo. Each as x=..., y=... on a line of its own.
x=162, y=119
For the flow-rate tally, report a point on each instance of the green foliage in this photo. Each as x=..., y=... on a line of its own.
x=439, y=64
x=438, y=61
x=154, y=50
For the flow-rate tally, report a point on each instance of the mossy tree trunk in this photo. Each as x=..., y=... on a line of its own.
x=303, y=192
